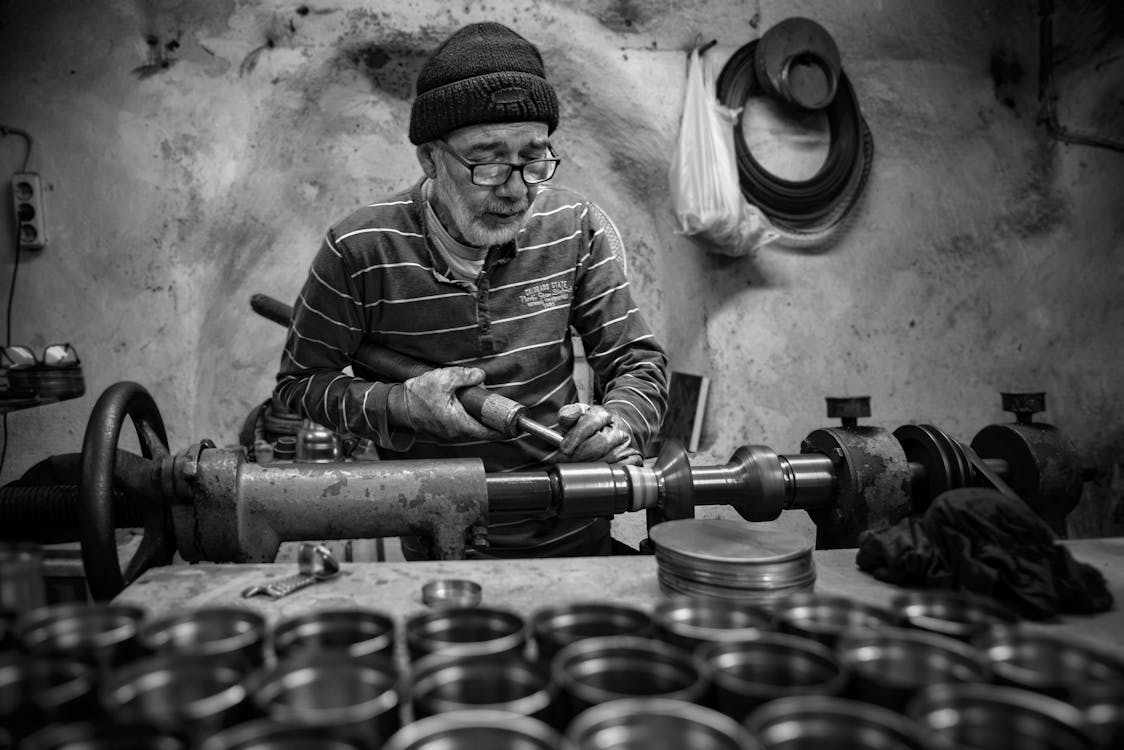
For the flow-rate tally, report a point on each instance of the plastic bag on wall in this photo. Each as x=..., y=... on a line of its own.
x=705, y=193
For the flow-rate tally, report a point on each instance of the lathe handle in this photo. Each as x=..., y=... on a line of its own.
x=498, y=412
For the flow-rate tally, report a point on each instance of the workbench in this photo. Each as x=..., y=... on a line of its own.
x=526, y=585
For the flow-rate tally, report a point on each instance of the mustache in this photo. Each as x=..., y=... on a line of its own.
x=506, y=207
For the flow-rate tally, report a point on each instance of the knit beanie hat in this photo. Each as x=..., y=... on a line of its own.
x=483, y=73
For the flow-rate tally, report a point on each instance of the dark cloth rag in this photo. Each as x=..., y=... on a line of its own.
x=979, y=540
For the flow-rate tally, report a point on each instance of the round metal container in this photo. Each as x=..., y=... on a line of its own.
x=104, y=736
x=22, y=586
x=953, y=613
x=596, y=670
x=731, y=559
x=654, y=723
x=266, y=734
x=179, y=694
x=824, y=617
x=989, y=717
x=1105, y=722
x=818, y=722
x=558, y=626
x=102, y=634
x=346, y=698
x=452, y=592
x=475, y=730
x=466, y=632
x=774, y=665
x=361, y=633
x=692, y=621
x=442, y=683
x=1059, y=667
x=889, y=666
x=233, y=634
x=37, y=690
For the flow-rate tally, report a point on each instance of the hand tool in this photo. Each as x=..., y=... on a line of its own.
x=498, y=412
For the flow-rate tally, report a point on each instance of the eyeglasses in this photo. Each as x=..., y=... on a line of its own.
x=55, y=355
x=495, y=173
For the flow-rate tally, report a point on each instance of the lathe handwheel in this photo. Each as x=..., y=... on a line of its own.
x=95, y=491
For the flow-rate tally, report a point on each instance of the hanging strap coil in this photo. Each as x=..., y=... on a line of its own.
x=806, y=209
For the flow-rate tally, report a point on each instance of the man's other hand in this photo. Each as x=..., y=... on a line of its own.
x=592, y=435
x=435, y=411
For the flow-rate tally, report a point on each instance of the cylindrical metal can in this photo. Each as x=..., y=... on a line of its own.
x=232, y=634
x=821, y=722
x=560, y=625
x=179, y=694
x=361, y=633
x=476, y=730
x=653, y=723
x=22, y=586
x=345, y=698
x=506, y=682
x=747, y=674
x=465, y=631
x=596, y=670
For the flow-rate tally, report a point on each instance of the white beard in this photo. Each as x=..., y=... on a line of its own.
x=471, y=229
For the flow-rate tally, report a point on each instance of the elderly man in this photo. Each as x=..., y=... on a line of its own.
x=482, y=269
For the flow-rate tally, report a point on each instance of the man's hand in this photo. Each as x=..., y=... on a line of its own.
x=591, y=435
x=431, y=400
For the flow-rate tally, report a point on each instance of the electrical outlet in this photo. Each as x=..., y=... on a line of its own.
x=27, y=193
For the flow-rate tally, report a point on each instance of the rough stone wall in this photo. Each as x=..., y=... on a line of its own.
x=194, y=152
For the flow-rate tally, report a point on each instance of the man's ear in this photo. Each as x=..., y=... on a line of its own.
x=425, y=158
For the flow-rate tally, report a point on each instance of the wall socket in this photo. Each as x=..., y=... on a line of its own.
x=27, y=195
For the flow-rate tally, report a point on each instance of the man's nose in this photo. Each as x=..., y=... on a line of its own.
x=514, y=187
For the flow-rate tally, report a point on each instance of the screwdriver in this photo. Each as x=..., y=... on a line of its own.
x=498, y=412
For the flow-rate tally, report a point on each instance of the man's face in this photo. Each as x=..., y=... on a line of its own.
x=480, y=215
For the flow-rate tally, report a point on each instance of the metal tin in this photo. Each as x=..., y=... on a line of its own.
x=748, y=674
x=442, y=683
x=558, y=626
x=179, y=694
x=104, y=736
x=818, y=722
x=990, y=717
x=234, y=634
x=360, y=633
x=105, y=635
x=650, y=723
x=824, y=617
x=1062, y=668
x=475, y=730
x=452, y=592
x=952, y=613
x=596, y=670
x=731, y=559
x=691, y=621
x=267, y=734
x=889, y=666
x=37, y=690
x=340, y=696
x=22, y=586
x=466, y=632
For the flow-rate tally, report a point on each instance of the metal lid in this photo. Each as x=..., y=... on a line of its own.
x=728, y=542
x=731, y=559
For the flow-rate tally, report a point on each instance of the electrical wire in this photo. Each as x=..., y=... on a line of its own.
x=4, y=132
x=806, y=211
x=1047, y=91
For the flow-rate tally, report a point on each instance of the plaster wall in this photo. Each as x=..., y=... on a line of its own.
x=194, y=152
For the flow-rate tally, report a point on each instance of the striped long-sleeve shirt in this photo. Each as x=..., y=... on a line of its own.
x=377, y=280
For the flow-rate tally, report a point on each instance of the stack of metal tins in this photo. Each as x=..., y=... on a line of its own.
x=731, y=559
